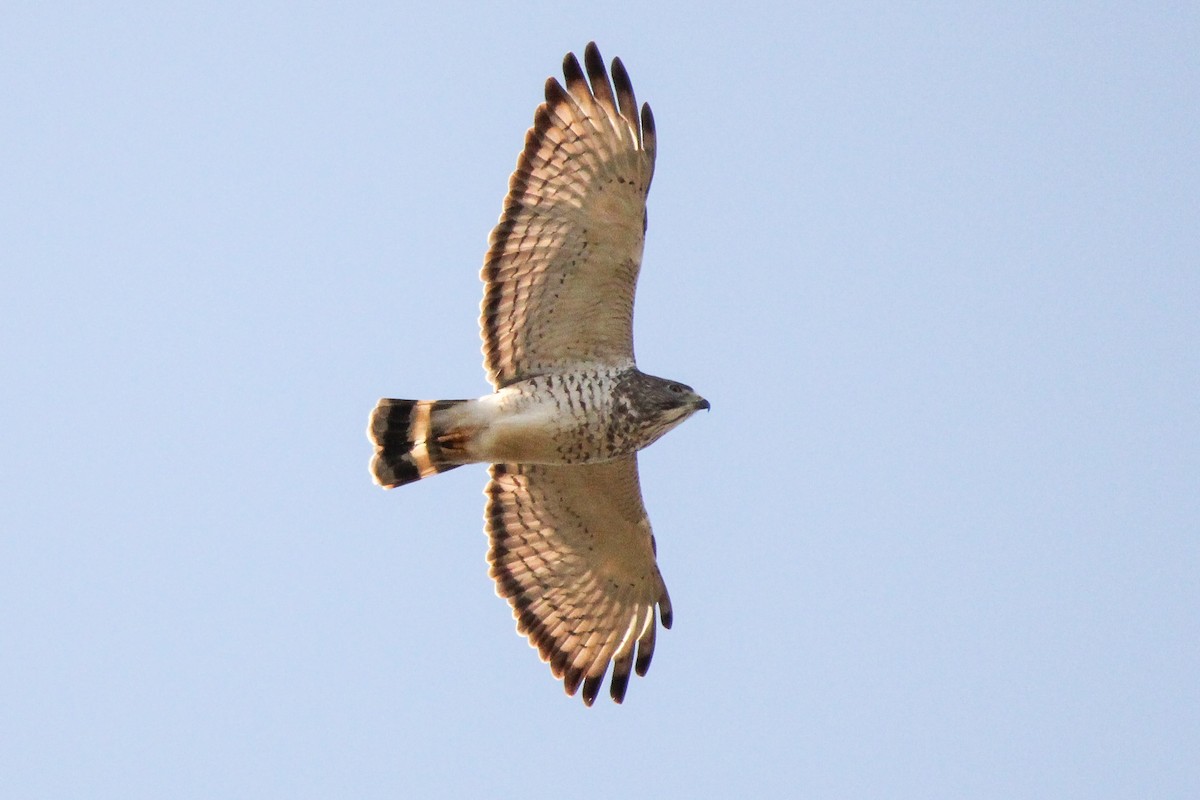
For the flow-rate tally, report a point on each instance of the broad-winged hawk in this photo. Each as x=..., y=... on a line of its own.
x=571, y=547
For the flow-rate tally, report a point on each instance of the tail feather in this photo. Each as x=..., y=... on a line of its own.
x=406, y=441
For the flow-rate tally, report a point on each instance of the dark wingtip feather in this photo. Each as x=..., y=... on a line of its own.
x=620, y=680
x=572, y=679
x=645, y=651
x=649, y=134
x=598, y=75
x=572, y=71
x=555, y=93
x=626, y=100
x=591, y=688
x=647, y=120
x=558, y=663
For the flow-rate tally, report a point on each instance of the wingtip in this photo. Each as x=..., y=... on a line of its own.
x=591, y=688
x=620, y=684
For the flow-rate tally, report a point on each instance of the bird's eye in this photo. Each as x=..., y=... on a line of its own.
x=676, y=388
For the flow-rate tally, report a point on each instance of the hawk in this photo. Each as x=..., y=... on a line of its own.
x=570, y=544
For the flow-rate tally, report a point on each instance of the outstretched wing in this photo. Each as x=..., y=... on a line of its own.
x=563, y=261
x=572, y=551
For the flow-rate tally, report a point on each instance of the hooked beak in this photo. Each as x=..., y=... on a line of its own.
x=702, y=404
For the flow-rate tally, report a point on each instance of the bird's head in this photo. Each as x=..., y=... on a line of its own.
x=659, y=404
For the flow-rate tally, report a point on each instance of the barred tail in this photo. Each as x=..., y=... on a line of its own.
x=408, y=442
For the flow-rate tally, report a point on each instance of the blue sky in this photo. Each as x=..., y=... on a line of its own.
x=934, y=266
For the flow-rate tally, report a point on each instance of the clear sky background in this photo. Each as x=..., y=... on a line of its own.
x=937, y=268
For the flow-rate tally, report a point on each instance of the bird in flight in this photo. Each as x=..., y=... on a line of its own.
x=570, y=543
